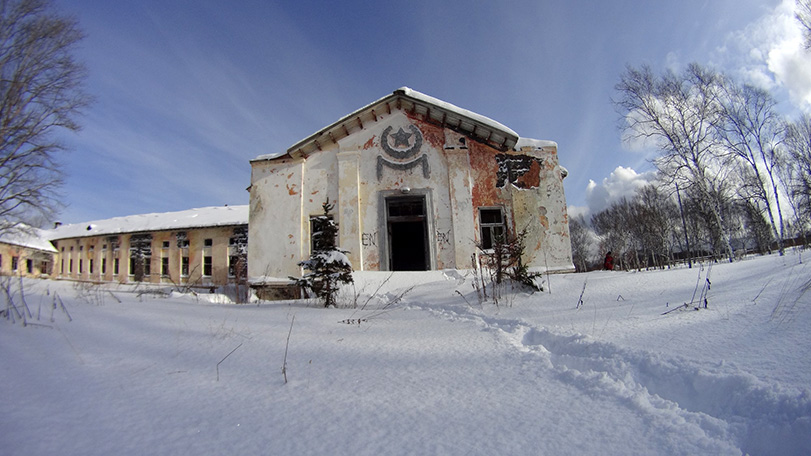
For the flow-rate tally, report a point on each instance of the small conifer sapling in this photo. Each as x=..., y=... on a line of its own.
x=328, y=266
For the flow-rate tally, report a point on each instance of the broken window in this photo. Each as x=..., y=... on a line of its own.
x=140, y=256
x=184, y=266
x=207, y=266
x=208, y=260
x=29, y=265
x=317, y=225
x=165, y=266
x=182, y=240
x=238, y=253
x=491, y=222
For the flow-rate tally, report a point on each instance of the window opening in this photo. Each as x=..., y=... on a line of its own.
x=238, y=253
x=491, y=223
x=207, y=266
x=317, y=225
x=140, y=256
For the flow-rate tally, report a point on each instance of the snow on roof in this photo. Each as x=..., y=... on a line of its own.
x=26, y=236
x=269, y=156
x=476, y=124
x=191, y=218
x=534, y=143
x=451, y=107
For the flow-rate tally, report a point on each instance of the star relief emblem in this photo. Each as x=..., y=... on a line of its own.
x=402, y=138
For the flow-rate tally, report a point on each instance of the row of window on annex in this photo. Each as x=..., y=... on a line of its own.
x=207, y=256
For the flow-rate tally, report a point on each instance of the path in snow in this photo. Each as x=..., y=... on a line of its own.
x=697, y=401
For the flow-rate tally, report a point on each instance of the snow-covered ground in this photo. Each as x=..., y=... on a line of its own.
x=422, y=370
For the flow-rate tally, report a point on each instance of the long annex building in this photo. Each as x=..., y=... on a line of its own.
x=417, y=183
x=204, y=246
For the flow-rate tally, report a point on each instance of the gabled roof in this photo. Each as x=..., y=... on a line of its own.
x=191, y=218
x=27, y=236
x=430, y=108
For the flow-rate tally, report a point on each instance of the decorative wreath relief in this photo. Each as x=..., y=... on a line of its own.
x=400, y=146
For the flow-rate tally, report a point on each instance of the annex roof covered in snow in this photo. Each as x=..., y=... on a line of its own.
x=191, y=218
x=26, y=236
x=430, y=108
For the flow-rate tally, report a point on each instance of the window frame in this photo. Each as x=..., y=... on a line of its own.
x=208, y=265
x=488, y=230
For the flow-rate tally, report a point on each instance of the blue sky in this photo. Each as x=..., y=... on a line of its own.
x=188, y=92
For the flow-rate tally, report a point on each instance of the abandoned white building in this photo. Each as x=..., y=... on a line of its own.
x=417, y=184
x=205, y=247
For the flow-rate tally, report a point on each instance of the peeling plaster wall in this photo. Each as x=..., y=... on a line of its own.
x=401, y=154
x=396, y=182
x=544, y=212
x=529, y=186
x=274, y=224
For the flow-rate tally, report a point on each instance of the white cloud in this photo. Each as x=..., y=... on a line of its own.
x=622, y=182
x=769, y=53
x=576, y=211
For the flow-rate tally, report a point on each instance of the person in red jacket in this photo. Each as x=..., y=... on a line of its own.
x=608, y=264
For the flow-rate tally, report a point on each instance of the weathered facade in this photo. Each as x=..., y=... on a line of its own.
x=24, y=252
x=417, y=184
x=205, y=247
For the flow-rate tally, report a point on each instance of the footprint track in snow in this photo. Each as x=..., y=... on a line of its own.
x=696, y=400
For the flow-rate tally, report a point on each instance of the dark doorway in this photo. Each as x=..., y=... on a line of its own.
x=408, y=233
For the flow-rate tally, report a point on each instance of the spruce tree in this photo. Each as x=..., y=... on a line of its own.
x=328, y=265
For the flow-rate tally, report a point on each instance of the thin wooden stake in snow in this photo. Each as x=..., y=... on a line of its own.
x=226, y=356
x=580, y=299
x=62, y=305
x=284, y=363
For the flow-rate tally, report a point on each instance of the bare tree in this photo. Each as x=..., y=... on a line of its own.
x=655, y=216
x=803, y=15
x=680, y=114
x=797, y=172
x=41, y=92
x=751, y=132
x=758, y=231
x=581, y=242
x=613, y=225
